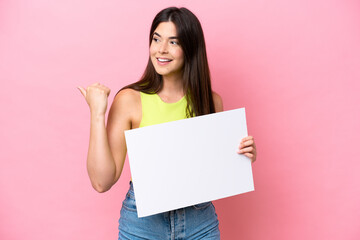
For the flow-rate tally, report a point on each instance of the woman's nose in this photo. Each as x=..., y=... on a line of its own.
x=163, y=48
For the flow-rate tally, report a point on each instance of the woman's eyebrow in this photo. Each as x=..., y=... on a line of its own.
x=155, y=33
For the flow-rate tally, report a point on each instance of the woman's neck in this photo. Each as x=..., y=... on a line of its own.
x=172, y=89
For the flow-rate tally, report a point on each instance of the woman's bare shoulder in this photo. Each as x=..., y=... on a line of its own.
x=128, y=97
x=217, y=102
x=127, y=101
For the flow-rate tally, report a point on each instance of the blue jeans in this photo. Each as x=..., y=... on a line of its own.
x=194, y=222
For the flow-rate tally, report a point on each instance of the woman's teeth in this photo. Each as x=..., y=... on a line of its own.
x=164, y=60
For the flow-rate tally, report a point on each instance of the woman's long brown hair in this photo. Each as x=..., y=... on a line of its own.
x=196, y=74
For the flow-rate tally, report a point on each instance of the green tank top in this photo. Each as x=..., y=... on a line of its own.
x=156, y=111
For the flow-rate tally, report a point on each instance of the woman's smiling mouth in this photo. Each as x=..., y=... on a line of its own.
x=163, y=61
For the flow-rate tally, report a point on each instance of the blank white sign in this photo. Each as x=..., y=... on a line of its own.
x=187, y=162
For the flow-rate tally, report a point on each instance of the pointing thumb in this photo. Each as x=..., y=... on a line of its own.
x=82, y=90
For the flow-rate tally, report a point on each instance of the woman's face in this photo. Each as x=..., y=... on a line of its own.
x=165, y=52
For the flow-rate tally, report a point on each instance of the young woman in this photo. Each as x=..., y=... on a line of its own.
x=175, y=85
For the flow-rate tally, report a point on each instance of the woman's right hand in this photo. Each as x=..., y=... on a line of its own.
x=96, y=96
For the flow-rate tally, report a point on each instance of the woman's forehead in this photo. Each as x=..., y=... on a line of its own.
x=166, y=29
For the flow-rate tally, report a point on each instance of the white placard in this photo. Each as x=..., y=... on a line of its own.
x=187, y=162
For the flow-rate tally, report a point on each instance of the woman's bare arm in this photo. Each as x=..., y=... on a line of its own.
x=107, y=148
x=125, y=114
x=218, y=102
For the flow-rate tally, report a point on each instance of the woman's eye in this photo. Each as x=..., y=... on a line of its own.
x=174, y=43
x=155, y=39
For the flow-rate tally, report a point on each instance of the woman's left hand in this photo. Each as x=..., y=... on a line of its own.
x=248, y=148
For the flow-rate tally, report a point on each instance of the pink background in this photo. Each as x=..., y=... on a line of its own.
x=294, y=65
